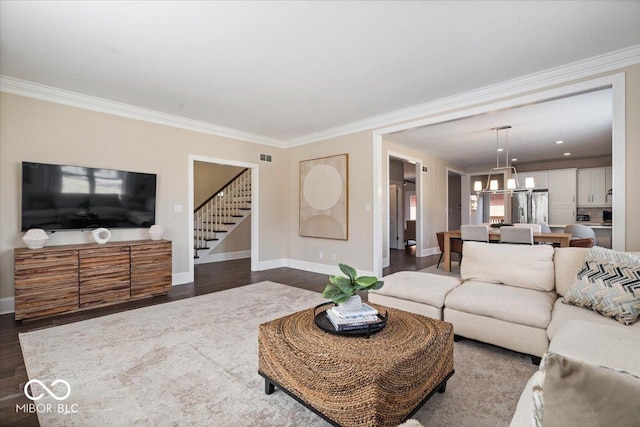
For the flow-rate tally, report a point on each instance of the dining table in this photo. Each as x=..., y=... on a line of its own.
x=561, y=239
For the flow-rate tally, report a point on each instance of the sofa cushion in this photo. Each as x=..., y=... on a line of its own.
x=563, y=313
x=523, y=266
x=610, y=344
x=568, y=392
x=425, y=288
x=508, y=303
x=567, y=263
x=609, y=283
x=523, y=415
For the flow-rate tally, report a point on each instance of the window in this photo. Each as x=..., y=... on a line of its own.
x=496, y=208
x=412, y=206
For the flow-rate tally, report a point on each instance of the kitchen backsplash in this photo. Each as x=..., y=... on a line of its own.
x=595, y=214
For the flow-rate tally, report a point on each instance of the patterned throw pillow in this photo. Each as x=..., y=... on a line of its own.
x=608, y=283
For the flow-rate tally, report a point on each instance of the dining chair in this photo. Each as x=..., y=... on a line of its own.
x=519, y=235
x=476, y=233
x=537, y=228
x=581, y=243
x=456, y=246
x=580, y=231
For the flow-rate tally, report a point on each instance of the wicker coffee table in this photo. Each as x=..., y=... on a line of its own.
x=376, y=381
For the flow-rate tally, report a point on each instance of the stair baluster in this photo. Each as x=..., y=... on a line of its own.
x=227, y=205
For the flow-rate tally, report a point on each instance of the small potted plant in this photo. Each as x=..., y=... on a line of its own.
x=342, y=290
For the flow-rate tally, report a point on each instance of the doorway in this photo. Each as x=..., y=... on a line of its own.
x=254, y=207
x=222, y=197
x=616, y=82
x=454, y=200
x=402, y=210
x=395, y=217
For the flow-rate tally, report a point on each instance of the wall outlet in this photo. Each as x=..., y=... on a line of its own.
x=321, y=255
x=177, y=208
x=333, y=257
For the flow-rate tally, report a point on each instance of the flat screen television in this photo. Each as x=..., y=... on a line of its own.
x=59, y=197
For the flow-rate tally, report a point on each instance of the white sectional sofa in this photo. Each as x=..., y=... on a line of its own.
x=511, y=296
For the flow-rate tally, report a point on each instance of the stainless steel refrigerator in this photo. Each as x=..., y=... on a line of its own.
x=532, y=208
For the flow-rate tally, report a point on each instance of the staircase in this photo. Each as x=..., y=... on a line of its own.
x=216, y=217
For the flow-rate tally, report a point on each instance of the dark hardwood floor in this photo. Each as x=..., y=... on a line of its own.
x=208, y=278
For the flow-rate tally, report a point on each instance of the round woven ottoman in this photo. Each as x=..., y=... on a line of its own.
x=356, y=381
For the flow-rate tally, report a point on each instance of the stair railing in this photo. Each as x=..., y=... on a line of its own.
x=220, y=208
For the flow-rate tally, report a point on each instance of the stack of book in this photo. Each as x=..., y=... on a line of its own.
x=344, y=319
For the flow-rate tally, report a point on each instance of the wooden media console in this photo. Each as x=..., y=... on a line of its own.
x=62, y=279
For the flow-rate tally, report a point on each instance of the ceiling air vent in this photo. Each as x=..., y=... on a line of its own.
x=265, y=157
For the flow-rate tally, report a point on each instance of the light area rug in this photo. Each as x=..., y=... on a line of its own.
x=194, y=362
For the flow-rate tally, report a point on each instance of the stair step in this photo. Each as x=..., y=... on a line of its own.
x=200, y=248
x=229, y=223
x=237, y=216
x=210, y=240
x=245, y=209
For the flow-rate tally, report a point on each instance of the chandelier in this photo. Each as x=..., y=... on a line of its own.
x=513, y=184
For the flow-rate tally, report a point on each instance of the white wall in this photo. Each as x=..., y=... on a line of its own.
x=357, y=251
x=209, y=178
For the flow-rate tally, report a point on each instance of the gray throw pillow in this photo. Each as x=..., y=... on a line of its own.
x=571, y=393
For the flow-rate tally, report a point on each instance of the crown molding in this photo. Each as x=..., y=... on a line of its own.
x=87, y=102
x=559, y=75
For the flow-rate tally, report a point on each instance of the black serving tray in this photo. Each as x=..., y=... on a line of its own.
x=322, y=321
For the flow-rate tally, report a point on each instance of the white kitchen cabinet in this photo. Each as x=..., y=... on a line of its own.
x=562, y=196
x=562, y=215
x=592, y=189
x=562, y=187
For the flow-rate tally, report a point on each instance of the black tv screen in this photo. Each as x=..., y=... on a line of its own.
x=57, y=197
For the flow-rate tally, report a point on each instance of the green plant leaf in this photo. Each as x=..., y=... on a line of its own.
x=331, y=292
x=339, y=279
x=345, y=286
x=366, y=281
x=376, y=285
x=348, y=271
x=341, y=298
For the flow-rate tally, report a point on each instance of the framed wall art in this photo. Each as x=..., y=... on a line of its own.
x=324, y=197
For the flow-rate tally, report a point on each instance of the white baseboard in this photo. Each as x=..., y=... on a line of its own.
x=312, y=267
x=315, y=267
x=428, y=252
x=271, y=264
x=228, y=256
x=181, y=278
x=7, y=305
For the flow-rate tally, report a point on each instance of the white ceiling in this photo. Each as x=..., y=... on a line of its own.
x=583, y=122
x=284, y=70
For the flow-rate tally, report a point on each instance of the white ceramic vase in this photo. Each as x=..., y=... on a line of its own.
x=35, y=238
x=101, y=235
x=156, y=232
x=353, y=303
